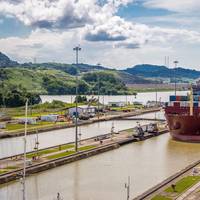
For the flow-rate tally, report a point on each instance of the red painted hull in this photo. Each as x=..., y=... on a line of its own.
x=184, y=127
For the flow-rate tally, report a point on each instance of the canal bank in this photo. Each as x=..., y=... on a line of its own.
x=18, y=133
x=99, y=144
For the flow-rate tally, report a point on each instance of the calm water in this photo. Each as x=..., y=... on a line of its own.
x=103, y=176
x=13, y=146
x=141, y=97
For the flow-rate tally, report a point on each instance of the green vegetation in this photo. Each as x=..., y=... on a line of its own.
x=11, y=167
x=2, y=171
x=160, y=197
x=21, y=83
x=55, y=107
x=60, y=155
x=184, y=184
x=180, y=187
x=127, y=108
x=81, y=99
x=67, y=153
x=12, y=127
x=52, y=150
x=13, y=96
x=86, y=148
x=108, y=82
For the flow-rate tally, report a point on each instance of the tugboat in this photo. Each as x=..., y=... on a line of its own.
x=183, y=115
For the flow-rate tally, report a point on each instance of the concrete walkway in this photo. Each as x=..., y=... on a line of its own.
x=191, y=194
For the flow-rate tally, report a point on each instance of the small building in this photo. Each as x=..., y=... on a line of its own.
x=29, y=121
x=49, y=118
x=82, y=110
x=117, y=104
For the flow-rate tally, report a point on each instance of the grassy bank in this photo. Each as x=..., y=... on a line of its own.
x=180, y=187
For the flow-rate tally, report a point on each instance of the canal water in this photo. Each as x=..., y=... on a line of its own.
x=13, y=146
x=103, y=176
x=104, y=99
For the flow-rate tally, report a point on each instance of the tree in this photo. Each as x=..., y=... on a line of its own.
x=81, y=99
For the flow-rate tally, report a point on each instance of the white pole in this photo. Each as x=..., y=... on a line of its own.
x=24, y=170
x=127, y=186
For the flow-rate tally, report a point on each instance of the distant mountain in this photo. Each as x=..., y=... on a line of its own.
x=150, y=71
x=139, y=74
x=6, y=62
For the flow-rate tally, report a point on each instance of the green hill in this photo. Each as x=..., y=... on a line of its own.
x=55, y=82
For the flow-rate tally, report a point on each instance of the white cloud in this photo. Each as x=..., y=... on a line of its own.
x=43, y=44
x=174, y=5
x=60, y=14
x=102, y=33
x=129, y=34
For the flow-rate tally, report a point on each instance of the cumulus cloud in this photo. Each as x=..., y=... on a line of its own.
x=94, y=21
x=134, y=35
x=50, y=13
x=60, y=14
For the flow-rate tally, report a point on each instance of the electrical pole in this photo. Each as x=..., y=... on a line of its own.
x=76, y=49
x=127, y=186
x=98, y=95
x=24, y=169
x=175, y=63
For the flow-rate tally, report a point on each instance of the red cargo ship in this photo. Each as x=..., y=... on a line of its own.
x=183, y=116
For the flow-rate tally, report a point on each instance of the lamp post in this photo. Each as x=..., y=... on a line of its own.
x=98, y=96
x=76, y=49
x=127, y=186
x=24, y=167
x=175, y=63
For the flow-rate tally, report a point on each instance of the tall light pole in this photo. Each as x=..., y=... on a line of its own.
x=127, y=186
x=98, y=95
x=24, y=168
x=76, y=49
x=175, y=63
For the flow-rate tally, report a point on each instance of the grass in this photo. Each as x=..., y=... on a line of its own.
x=13, y=127
x=184, y=184
x=60, y=155
x=52, y=150
x=63, y=154
x=160, y=197
x=86, y=148
x=125, y=108
x=2, y=171
x=181, y=186
x=11, y=167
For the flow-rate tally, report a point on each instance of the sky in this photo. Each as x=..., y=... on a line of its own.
x=114, y=33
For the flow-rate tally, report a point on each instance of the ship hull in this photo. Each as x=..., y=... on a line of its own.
x=184, y=127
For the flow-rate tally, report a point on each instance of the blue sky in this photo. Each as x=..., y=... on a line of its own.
x=115, y=33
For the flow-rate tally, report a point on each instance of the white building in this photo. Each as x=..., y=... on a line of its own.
x=84, y=109
x=117, y=104
x=49, y=118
